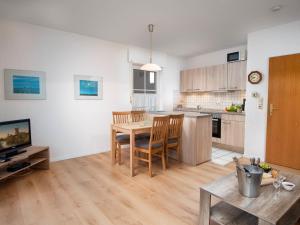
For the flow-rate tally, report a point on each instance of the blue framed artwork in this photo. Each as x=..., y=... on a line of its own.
x=24, y=84
x=88, y=87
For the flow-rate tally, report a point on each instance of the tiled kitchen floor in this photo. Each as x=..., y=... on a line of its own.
x=223, y=157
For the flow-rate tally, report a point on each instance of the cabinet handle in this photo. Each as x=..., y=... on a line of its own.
x=226, y=122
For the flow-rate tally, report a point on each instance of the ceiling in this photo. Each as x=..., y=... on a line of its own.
x=182, y=27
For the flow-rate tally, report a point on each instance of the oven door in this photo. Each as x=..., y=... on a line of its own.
x=216, y=127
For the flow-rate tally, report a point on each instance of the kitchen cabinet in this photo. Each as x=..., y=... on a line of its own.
x=233, y=130
x=237, y=75
x=231, y=76
x=199, y=79
x=217, y=78
x=196, y=140
x=186, y=80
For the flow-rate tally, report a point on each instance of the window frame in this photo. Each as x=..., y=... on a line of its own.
x=158, y=87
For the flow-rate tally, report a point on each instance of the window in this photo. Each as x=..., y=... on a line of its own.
x=144, y=81
x=145, y=90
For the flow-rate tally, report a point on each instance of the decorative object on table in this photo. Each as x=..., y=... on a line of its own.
x=255, y=77
x=288, y=186
x=88, y=87
x=266, y=167
x=151, y=66
x=249, y=178
x=24, y=84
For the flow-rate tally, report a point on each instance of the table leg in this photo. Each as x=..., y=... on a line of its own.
x=132, y=143
x=204, y=215
x=113, y=146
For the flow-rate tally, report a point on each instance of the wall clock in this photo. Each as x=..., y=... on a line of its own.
x=255, y=77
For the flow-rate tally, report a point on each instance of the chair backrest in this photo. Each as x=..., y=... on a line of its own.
x=121, y=117
x=138, y=115
x=175, y=126
x=159, y=129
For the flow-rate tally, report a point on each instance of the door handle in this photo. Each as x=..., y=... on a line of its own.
x=272, y=109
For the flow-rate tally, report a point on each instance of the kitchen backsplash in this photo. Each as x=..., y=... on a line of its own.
x=210, y=100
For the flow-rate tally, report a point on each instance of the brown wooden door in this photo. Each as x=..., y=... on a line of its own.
x=283, y=133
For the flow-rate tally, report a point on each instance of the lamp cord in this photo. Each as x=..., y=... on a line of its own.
x=150, y=28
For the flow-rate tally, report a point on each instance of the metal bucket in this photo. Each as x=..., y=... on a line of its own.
x=249, y=182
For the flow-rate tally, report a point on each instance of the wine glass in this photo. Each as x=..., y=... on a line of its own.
x=277, y=184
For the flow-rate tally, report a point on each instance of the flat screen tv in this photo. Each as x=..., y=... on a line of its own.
x=14, y=135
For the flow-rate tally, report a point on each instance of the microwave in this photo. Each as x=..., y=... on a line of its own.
x=237, y=56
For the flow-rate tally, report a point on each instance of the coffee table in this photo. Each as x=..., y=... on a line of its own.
x=269, y=208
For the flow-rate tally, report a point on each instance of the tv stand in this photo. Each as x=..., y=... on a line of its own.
x=38, y=157
x=11, y=153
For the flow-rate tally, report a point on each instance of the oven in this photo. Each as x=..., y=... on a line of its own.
x=216, y=125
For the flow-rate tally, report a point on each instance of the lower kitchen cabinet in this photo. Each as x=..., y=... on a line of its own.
x=196, y=140
x=233, y=131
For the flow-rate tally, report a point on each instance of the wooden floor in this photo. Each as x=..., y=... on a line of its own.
x=90, y=191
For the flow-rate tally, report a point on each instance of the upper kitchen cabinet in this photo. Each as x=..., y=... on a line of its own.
x=237, y=75
x=186, y=80
x=199, y=79
x=217, y=78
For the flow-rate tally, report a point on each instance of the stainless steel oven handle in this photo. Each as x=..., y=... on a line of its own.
x=215, y=119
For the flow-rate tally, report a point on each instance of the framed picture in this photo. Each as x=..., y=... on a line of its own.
x=88, y=87
x=24, y=84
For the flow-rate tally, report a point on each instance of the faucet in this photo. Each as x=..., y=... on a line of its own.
x=199, y=107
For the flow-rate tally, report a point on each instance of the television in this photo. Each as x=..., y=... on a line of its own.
x=14, y=137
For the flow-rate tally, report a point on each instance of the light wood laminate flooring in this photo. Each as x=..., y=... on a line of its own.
x=90, y=191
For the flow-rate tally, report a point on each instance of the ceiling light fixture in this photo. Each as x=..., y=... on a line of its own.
x=151, y=66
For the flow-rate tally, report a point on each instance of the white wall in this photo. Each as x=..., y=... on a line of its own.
x=276, y=41
x=72, y=127
x=212, y=58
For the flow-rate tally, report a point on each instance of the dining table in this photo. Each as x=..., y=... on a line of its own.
x=132, y=129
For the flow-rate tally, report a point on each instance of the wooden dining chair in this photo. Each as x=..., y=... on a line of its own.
x=173, y=140
x=138, y=115
x=121, y=139
x=155, y=145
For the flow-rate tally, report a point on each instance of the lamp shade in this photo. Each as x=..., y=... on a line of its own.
x=151, y=67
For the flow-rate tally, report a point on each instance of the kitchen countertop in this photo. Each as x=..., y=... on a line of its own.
x=187, y=114
x=195, y=110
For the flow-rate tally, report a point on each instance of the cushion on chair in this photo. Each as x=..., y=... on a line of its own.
x=172, y=140
x=144, y=143
x=143, y=136
x=123, y=138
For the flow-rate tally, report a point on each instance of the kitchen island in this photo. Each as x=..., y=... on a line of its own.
x=196, y=136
